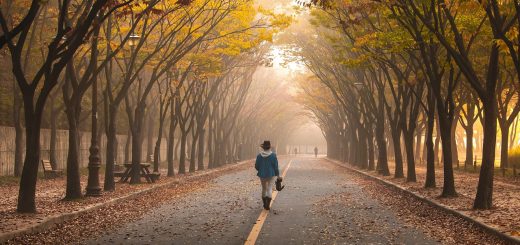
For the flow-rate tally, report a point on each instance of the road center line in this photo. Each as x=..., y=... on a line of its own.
x=253, y=235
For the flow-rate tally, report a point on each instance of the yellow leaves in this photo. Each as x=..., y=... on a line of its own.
x=246, y=28
x=265, y=35
x=207, y=64
x=366, y=40
x=152, y=63
x=281, y=21
x=501, y=45
x=513, y=33
x=277, y=21
x=124, y=29
x=113, y=45
x=356, y=62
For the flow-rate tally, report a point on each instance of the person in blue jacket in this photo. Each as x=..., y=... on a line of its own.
x=267, y=166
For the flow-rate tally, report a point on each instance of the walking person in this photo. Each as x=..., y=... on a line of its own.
x=315, y=151
x=267, y=166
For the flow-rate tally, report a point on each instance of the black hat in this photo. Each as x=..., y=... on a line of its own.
x=266, y=144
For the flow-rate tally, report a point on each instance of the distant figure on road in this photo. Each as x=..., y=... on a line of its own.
x=315, y=151
x=295, y=151
x=268, y=171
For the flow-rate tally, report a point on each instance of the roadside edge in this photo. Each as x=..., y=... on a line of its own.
x=486, y=227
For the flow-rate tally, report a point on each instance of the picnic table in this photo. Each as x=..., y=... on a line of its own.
x=144, y=169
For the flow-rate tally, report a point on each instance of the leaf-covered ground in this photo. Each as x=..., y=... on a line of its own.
x=50, y=193
x=506, y=196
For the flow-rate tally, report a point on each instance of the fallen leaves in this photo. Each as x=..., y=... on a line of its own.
x=93, y=223
x=437, y=224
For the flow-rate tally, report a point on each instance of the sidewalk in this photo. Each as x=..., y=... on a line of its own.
x=506, y=197
x=51, y=209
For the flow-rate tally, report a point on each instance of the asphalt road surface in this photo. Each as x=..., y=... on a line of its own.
x=321, y=204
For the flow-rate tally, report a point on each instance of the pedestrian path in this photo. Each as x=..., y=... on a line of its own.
x=319, y=205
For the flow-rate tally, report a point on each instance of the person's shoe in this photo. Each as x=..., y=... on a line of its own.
x=264, y=200
x=268, y=203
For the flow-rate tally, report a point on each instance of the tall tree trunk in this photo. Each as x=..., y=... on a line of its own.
x=157, y=150
x=211, y=158
x=430, y=151
x=171, y=143
x=398, y=157
x=448, y=189
x=484, y=196
x=73, y=190
x=110, y=110
x=18, y=141
x=418, y=144
x=370, y=140
x=382, y=158
x=353, y=147
x=410, y=158
x=193, y=150
x=137, y=143
x=454, y=150
x=469, y=136
x=504, y=146
x=200, y=157
x=437, y=145
x=363, y=149
x=27, y=191
x=111, y=131
x=182, y=157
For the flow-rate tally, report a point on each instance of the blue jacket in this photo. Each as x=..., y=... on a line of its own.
x=267, y=166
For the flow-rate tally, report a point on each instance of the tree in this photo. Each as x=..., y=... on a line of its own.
x=70, y=35
x=458, y=48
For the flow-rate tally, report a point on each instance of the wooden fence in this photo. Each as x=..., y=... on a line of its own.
x=7, y=146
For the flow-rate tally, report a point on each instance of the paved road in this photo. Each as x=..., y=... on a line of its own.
x=321, y=204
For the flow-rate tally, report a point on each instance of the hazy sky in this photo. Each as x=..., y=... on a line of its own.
x=285, y=70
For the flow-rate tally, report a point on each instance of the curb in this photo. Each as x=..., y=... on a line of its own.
x=487, y=228
x=47, y=223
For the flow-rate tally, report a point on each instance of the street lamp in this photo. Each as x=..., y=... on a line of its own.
x=358, y=86
x=133, y=40
x=94, y=160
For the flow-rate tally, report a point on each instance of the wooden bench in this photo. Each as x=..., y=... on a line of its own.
x=48, y=172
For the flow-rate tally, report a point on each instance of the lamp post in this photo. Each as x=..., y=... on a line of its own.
x=94, y=162
x=133, y=39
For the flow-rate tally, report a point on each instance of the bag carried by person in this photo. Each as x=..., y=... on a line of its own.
x=279, y=185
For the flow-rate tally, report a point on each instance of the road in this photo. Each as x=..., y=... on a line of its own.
x=321, y=204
